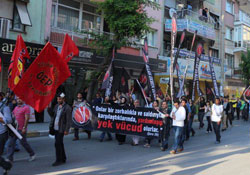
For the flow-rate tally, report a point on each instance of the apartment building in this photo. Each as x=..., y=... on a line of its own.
x=25, y=17
x=237, y=41
x=190, y=18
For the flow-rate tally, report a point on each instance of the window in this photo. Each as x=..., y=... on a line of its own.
x=16, y=23
x=73, y=15
x=67, y=18
x=229, y=33
x=230, y=6
x=230, y=60
x=152, y=38
x=215, y=53
x=90, y=18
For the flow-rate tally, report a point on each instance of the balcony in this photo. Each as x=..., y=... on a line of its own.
x=241, y=46
x=242, y=18
x=232, y=73
x=192, y=21
x=79, y=36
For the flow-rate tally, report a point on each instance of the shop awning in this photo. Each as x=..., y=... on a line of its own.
x=23, y=13
x=89, y=58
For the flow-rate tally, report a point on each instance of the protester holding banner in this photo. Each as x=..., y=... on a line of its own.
x=121, y=138
x=217, y=110
x=102, y=136
x=59, y=126
x=178, y=115
x=21, y=114
x=76, y=104
x=165, y=133
x=136, y=139
x=6, y=119
x=148, y=140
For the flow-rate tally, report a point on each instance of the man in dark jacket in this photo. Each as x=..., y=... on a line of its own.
x=59, y=126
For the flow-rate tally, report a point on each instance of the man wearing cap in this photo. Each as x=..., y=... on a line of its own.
x=59, y=126
x=5, y=119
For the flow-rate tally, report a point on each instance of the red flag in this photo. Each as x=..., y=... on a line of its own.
x=39, y=83
x=0, y=64
x=16, y=68
x=69, y=49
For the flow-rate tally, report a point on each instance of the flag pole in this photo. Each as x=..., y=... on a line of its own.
x=173, y=36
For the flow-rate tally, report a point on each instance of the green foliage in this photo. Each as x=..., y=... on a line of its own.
x=126, y=19
x=245, y=67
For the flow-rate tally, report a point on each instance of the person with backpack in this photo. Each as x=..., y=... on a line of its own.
x=5, y=118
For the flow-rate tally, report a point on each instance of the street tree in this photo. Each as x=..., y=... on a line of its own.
x=245, y=67
x=128, y=21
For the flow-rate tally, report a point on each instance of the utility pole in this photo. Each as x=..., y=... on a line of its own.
x=222, y=45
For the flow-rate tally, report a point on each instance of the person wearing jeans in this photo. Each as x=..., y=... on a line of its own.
x=217, y=110
x=191, y=118
x=208, y=116
x=21, y=114
x=178, y=115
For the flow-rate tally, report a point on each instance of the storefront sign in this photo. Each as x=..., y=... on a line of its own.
x=7, y=47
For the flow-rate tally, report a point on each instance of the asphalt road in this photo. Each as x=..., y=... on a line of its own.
x=201, y=156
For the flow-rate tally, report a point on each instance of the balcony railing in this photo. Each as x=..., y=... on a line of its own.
x=242, y=17
x=189, y=14
x=192, y=21
x=80, y=37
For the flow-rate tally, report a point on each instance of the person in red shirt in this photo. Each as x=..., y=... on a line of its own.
x=21, y=113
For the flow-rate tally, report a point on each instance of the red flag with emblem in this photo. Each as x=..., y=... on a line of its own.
x=69, y=49
x=39, y=83
x=16, y=68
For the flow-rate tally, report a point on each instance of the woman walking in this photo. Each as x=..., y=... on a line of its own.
x=208, y=116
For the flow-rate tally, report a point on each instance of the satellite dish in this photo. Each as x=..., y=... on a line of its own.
x=171, y=12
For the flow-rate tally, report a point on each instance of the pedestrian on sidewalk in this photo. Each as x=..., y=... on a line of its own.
x=6, y=119
x=178, y=115
x=208, y=116
x=21, y=114
x=217, y=110
x=76, y=104
x=59, y=126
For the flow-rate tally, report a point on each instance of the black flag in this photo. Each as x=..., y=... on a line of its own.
x=123, y=85
x=108, y=78
x=213, y=76
x=198, y=53
x=147, y=70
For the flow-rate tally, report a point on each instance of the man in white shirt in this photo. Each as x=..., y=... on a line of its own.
x=178, y=115
x=217, y=110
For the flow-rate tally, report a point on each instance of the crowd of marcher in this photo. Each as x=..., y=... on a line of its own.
x=177, y=116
